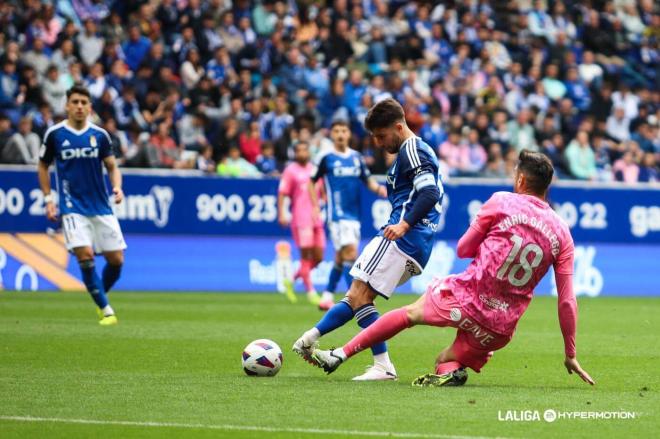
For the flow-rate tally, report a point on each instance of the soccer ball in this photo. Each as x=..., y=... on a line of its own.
x=262, y=358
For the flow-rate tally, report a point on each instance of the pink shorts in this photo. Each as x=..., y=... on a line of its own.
x=474, y=345
x=309, y=237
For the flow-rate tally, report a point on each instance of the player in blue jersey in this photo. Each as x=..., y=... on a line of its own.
x=79, y=149
x=402, y=247
x=343, y=171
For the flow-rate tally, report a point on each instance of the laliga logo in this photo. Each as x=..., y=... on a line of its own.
x=155, y=206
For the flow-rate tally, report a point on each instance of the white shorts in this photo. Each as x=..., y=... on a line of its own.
x=344, y=232
x=101, y=232
x=384, y=267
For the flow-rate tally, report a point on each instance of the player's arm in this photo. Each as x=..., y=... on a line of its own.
x=469, y=243
x=428, y=194
x=46, y=157
x=281, y=215
x=567, y=311
x=376, y=188
x=316, y=210
x=115, y=177
x=44, y=184
x=371, y=183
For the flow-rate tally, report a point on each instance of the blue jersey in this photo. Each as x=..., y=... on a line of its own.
x=415, y=167
x=343, y=174
x=78, y=157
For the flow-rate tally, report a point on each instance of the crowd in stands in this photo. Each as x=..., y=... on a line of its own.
x=229, y=87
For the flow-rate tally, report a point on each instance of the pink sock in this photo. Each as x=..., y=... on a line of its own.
x=447, y=367
x=386, y=327
x=305, y=274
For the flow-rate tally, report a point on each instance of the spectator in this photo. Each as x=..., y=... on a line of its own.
x=266, y=162
x=577, y=91
x=9, y=90
x=625, y=169
x=472, y=156
x=136, y=48
x=37, y=57
x=191, y=70
x=127, y=110
x=90, y=44
x=581, y=157
x=54, y=88
x=617, y=125
x=590, y=72
x=649, y=171
x=167, y=151
x=23, y=146
x=191, y=131
x=233, y=165
x=250, y=143
x=521, y=132
x=450, y=152
x=205, y=161
x=495, y=166
x=64, y=57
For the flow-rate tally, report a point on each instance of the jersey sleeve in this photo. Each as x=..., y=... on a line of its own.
x=47, y=150
x=417, y=166
x=285, y=183
x=105, y=145
x=484, y=219
x=365, y=173
x=564, y=262
x=320, y=169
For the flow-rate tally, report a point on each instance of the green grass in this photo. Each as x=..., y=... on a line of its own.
x=175, y=358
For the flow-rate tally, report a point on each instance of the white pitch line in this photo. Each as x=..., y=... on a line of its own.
x=231, y=427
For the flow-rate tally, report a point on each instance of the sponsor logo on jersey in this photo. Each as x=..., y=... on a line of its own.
x=79, y=153
x=493, y=303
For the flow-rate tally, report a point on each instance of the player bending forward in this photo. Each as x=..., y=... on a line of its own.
x=306, y=221
x=514, y=240
x=78, y=149
x=402, y=248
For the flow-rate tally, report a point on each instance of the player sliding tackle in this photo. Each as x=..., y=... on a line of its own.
x=514, y=240
x=402, y=248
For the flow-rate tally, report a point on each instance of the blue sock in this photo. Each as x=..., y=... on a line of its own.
x=336, y=316
x=347, y=273
x=365, y=316
x=110, y=275
x=335, y=275
x=93, y=283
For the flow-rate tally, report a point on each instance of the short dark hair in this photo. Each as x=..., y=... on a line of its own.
x=340, y=122
x=537, y=169
x=78, y=88
x=384, y=114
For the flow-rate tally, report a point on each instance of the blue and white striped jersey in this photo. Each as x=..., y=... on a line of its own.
x=415, y=167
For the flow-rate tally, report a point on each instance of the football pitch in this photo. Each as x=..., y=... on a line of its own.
x=172, y=368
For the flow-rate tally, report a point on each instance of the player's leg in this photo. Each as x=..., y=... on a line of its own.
x=110, y=240
x=384, y=328
x=114, y=261
x=348, y=256
x=79, y=239
x=328, y=296
x=305, y=273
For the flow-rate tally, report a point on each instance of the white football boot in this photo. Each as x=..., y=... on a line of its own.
x=378, y=372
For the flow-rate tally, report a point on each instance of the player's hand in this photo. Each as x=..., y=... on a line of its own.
x=316, y=214
x=572, y=365
x=51, y=212
x=119, y=194
x=283, y=220
x=382, y=191
x=396, y=231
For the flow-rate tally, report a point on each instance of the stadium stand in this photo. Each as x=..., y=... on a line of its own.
x=229, y=87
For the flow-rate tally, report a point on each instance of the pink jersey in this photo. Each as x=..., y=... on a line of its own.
x=295, y=185
x=522, y=237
